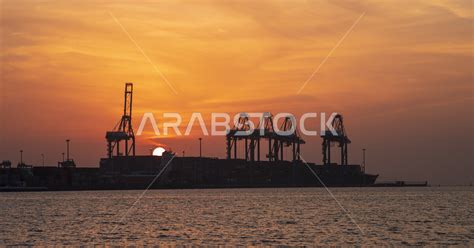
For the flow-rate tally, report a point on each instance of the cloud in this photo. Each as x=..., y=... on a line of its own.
x=66, y=62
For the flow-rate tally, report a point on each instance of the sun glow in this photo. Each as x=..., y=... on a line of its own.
x=158, y=151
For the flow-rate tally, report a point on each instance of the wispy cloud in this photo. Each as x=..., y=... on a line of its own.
x=144, y=54
x=330, y=53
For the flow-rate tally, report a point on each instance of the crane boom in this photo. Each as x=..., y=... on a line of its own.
x=124, y=130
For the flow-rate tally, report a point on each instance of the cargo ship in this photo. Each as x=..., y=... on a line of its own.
x=171, y=172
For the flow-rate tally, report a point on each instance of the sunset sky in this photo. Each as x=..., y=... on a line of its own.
x=402, y=77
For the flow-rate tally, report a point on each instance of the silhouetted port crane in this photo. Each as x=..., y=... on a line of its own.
x=340, y=138
x=292, y=139
x=123, y=131
x=276, y=140
x=232, y=138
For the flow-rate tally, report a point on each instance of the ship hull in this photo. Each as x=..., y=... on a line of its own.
x=194, y=172
x=139, y=172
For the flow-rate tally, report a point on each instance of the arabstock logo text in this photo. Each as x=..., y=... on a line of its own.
x=243, y=124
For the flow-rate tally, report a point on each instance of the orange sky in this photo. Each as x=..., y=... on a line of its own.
x=402, y=78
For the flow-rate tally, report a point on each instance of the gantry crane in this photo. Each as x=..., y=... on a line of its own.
x=123, y=131
x=340, y=138
x=276, y=141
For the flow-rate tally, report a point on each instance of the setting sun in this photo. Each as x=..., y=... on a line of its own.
x=158, y=151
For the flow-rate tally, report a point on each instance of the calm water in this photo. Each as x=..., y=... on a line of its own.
x=387, y=216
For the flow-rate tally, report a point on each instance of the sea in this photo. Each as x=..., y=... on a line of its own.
x=418, y=216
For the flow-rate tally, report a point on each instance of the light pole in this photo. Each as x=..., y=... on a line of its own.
x=42, y=159
x=363, y=159
x=200, y=147
x=67, y=149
